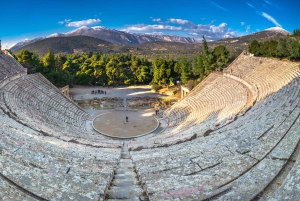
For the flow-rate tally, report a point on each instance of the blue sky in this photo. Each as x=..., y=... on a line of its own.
x=28, y=19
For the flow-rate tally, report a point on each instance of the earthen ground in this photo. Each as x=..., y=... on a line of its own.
x=113, y=123
x=84, y=92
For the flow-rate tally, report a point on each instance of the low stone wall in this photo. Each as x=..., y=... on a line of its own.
x=117, y=102
x=65, y=90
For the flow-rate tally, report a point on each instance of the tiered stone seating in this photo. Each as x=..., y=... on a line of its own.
x=38, y=104
x=229, y=159
x=10, y=69
x=238, y=160
x=254, y=69
x=211, y=104
x=32, y=97
x=228, y=139
x=9, y=192
x=9, y=65
x=51, y=168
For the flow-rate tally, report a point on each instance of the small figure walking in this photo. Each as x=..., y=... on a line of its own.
x=105, y=92
x=126, y=119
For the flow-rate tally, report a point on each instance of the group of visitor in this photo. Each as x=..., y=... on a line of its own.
x=98, y=91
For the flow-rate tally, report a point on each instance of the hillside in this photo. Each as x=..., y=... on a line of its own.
x=149, y=50
x=236, y=45
x=111, y=35
x=73, y=44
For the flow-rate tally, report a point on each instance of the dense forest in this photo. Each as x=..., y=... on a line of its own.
x=287, y=47
x=123, y=69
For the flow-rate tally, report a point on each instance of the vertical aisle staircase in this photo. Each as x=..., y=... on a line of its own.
x=126, y=184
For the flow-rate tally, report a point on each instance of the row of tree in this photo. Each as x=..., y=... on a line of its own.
x=287, y=47
x=123, y=69
x=169, y=71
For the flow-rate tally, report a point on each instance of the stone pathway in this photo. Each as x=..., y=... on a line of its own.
x=126, y=185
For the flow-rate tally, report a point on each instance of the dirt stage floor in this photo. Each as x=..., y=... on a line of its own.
x=84, y=92
x=113, y=123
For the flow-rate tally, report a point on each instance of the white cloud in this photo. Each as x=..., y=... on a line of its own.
x=155, y=33
x=212, y=32
x=181, y=22
x=156, y=19
x=265, y=15
x=248, y=28
x=144, y=27
x=7, y=46
x=250, y=5
x=64, y=21
x=242, y=23
x=218, y=6
x=82, y=23
x=270, y=18
x=185, y=28
x=271, y=4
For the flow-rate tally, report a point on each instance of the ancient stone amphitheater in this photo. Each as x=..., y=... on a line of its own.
x=234, y=137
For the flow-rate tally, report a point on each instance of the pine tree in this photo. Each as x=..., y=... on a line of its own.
x=48, y=62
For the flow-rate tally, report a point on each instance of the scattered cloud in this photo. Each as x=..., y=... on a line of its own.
x=212, y=32
x=185, y=27
x=203, y=18
x=156, y=19
x=271, y=4
x=7, y=46
x=155, y=33
x=218, y=6
x=248, y=28
x=250, y=5
x=155, y=27
x=270, y=18
x=265, y=15
x=64, y=21
x=80, y=23
x=194, y=34
x=84, y=22
x=182, y=22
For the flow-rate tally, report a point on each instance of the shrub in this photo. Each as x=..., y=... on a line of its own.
x=156, y=87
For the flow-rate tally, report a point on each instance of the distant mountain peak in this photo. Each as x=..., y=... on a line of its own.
x=278, y=29
x=54, y=35
x=113, y=36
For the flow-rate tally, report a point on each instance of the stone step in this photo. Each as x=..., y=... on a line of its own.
x=129, y=192
x=125, y=155
x=123, y=166
x=125, y=182
x=131, y=199
x=124, y=171
x=127, y=175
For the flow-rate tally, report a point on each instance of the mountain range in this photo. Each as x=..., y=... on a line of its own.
x=113, y=36
x=108, y=41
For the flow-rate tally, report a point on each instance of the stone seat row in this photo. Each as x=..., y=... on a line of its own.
x=265, y=137
x=277, y=79
x=37, y=164
x=207, y=104
x=174, y=164
x=10, y=65
x=25, y=95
